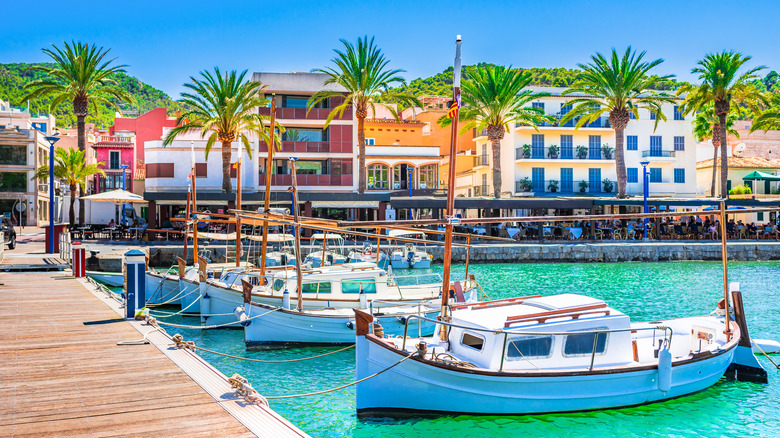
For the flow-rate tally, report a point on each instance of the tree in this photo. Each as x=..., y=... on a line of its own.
x=494, y=99
x=222, y=107
x=618, y=87
x=362, y=74
x=726, y=88
x=769, y=118
x=79, y=75
x=706, y=126
x=70, y=166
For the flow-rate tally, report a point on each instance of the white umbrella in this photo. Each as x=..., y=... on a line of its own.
x=117, y=197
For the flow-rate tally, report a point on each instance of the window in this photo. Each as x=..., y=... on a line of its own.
x=353, y=286
x=340, y=166
x=679, y=143
x=313, y=288
x=311, y=167
x=13, y=181
x=538, y=105
x=594, y=147
x=565, y=110
x=652, y=115
x=537, y=146
x=300, y=134
x=632, y=143
x=472, y=341
x=528, y=347
x=567, y=150
x=278, y=284
x=428, y=177
x=113, y=159
x=656, y=145
x=401, y=177
x=594, y=180
x=13, y=154
x=112, y=181
x=679, y=176
x=582, y=344
x=378, y=177
x=537, y=179
x=301, y=102
x=631, y=115
x=370, y=141
x=40, y=126
x=677, y=113
x=655, y=174
x=632, y=175
x=567, y=180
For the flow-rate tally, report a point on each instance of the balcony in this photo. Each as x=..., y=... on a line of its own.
x=601, y=123
x=482, y=133
x=543, y=154
x=481, y=161
x=312, y=180
x=114, y=140
x=301, y=113
x=117, y=165
x=304, y=146
x=659, y=155
x=482, y=190
x=566, y=187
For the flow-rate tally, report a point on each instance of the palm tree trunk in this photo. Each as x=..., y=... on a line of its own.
x=714, y=190
x=620, y=162
x=227, y=187
x=724, y=165
x=82, y=144
x=361, y=154
x=72, y=213
x=495, y=144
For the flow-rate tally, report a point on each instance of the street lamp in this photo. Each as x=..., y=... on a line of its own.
x=124, y=168
x=51, y=139
x=646, y=190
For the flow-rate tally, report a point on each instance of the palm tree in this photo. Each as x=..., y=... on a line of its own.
x=705, y=127
x=726, y=88
x=222, y=107
x=494, y=98
x=618, y=86
x=70, y=166
x=769, y=119
x=362, y=72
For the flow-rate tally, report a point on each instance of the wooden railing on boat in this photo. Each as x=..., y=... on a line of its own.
x=494, y=303
x=573, y=312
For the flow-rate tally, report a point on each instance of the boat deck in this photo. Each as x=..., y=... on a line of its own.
x=63, y=373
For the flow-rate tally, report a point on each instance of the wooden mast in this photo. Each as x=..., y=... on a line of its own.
x=238, y=207
x=725, y=257
x=450, y=215
x=267, y=204
x=194, y=208
x=324, y=247
x=378, y=237
x=186, y=227
x=468, y=256
x=297, y=228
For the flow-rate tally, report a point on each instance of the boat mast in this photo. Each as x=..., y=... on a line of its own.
x=266, y=205
x=450, y=214
x=725, y=258
x=297, y=228
x=238, y=207
x=194, y=208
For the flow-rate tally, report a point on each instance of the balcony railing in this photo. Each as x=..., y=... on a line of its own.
x=114, y=139
x=481, y=190
x=481, y=133
x=544, y=154
x=657, y=153
x=113, y=165
x=563, y=186
x=312, y=180
x=481, y=160
x=301, y=113
x=601, y=122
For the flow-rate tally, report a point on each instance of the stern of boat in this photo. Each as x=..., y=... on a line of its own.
x=744, y=367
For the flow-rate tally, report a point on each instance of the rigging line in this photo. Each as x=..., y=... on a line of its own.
x=274, y=361
x=765, y=355
x=204, y=327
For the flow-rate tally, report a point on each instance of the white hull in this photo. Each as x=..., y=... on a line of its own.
x=162, y=288
x=190, y=296
x=417, y=386
x=113, y=279
x=416, y=264
x=282, y=326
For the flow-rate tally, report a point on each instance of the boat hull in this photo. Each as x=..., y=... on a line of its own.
x=190, y=296
x=284, y=327
x=416, y=386
x=162, y=288
x=113, y=279
x=416, y=264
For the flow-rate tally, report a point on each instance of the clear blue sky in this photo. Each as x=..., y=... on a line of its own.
x=165, y=42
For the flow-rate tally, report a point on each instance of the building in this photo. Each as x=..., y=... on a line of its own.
x=557, y=159
x=23, y=149
x=739, y=168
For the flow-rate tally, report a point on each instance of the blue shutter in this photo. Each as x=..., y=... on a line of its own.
x=567, y=148
x=655, y=175
x=679, y=143
x=652, y=115
x=565, y=110
x=679, y=176
x=632, y=175
x=677, y=113
x=655, y=146
x=594, y=147
x=594, y=179
x=537, y=146
x=632, y=142
x=537, y=179
x=567, y=180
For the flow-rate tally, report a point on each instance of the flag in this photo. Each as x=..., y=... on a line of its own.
x=454, y=105
x=234, y=165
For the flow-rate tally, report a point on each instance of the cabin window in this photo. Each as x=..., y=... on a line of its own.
x=313, y=288
x=278, y=284
x=527, y=347
x=353, y=286
x=582, y=343
x=473, y=341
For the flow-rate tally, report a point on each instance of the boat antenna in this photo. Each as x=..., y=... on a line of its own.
x=453, y=113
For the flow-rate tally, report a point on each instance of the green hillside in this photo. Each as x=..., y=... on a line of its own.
x=14, y=76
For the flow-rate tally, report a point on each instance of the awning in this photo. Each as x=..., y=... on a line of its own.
x=759, y=175
x=344, y=204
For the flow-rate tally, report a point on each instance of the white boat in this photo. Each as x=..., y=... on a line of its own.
x=113, y=279
x=409, y=257
x=314, y=259
x=547, y=354
x=368, y=255
x=336, y=286
x=164, y=288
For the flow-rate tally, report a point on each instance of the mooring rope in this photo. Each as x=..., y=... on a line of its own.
x=153, y=321
x=179, y=342
x=765, y=355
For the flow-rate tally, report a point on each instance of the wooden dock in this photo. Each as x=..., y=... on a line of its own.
x=63, y=373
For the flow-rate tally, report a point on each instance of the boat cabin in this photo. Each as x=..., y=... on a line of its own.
x=343, y=279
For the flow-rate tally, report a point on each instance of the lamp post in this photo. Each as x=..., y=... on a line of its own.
x=51, y=139
x=124, y=168
x=645, y=190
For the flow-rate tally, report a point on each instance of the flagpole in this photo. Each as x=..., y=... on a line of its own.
x=450, y=214
x=267, y=203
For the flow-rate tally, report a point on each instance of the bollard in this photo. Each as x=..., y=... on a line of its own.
x=135, y=282
x=78, y=260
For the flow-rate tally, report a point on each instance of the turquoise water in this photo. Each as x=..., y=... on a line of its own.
x=644, y=291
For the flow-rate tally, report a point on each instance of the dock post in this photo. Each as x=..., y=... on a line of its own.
x=78, y=260
x=135, y=282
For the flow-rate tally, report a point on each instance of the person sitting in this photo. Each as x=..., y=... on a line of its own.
x=111, y=223
x=730, y=227
x=771, y=229
x=752, y=229
x=714, y=230
x=135, y=223
x=167, y=223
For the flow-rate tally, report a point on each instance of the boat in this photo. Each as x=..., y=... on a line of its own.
x=314, y=259
x=165, y=288
x=535, y=354
x=409, y=257
x=369, y=254
x=113, y=279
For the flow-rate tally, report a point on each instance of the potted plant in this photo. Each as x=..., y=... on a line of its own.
x=526, y=184
x=526, y=151
x=584, y=186
x=607, y=151
x=582, y=152
x=608, y=186
x=552, y=151
x=552, y=186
